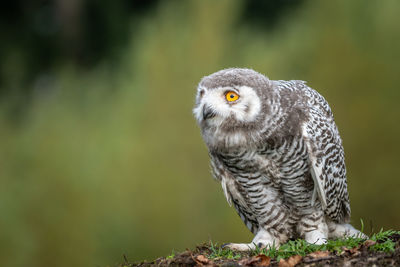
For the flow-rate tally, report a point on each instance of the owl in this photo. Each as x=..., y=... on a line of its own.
x=276, y=150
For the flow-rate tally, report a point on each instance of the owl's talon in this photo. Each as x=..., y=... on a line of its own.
x=226, y=245
x=316, y=237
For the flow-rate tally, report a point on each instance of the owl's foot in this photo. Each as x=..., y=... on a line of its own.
x=247, y=247
x=313, y=228
x=344, y=230
x=239, y=246
x=263, y=239
x=316, y=237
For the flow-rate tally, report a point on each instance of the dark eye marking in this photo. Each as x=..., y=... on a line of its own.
x=202, y=93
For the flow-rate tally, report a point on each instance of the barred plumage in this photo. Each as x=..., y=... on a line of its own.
x=277, y=152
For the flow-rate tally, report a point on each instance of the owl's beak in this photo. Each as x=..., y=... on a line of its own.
x=208, y=112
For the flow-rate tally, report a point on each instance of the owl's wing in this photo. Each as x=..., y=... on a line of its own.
x=326, y=159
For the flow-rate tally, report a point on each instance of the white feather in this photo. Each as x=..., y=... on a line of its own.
x=316, y=172
x=224, y=188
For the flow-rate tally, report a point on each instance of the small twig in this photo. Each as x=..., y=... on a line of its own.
x=308, y=260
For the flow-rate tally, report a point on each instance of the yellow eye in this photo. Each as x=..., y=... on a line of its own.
x=231, y=96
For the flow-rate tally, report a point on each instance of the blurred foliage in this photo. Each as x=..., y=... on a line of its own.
x=40, y=35
x=108, y=160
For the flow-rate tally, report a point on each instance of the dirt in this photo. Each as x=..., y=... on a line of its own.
x=359, y=256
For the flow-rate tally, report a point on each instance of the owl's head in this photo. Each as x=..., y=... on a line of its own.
x=231, y=104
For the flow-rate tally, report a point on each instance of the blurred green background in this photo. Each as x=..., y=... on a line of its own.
x=100, y=155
